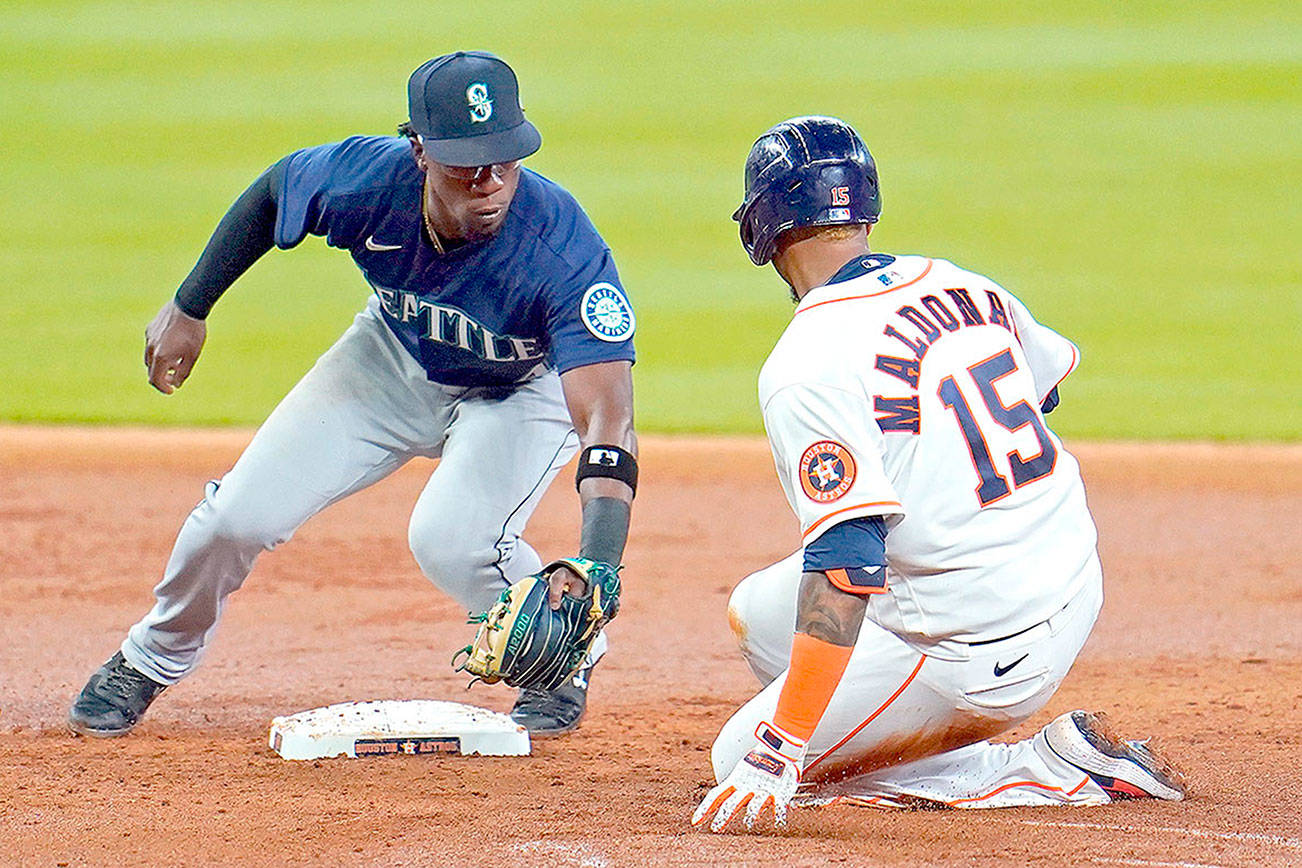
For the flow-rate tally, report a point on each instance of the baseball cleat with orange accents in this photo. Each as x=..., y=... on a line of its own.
x=1123, y=769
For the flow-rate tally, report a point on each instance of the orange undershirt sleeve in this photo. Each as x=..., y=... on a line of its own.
x=816, y=668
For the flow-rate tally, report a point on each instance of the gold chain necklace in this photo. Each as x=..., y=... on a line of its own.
x=429, y=224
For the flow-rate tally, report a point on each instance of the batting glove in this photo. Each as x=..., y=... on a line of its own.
x=768, y=775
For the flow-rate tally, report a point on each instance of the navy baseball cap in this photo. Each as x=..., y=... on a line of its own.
x=466, y=108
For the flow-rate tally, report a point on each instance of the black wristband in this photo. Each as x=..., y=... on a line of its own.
x=609, y=462
x=605, y=529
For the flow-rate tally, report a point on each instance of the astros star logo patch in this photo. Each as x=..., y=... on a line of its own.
x=826, y=471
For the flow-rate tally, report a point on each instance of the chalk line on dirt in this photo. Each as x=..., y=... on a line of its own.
x=1278, y=840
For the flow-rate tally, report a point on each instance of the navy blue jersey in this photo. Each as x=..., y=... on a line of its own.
x=542, y=292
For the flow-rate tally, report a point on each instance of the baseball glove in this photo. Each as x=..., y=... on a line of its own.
x=526, y=643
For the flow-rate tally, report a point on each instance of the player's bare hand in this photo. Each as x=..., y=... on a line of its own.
x=173, y=341
x=564, y=580
x=765, y=778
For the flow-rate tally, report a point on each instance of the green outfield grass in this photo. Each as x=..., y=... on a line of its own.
x=1130, y=170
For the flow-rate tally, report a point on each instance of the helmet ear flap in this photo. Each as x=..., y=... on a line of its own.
x=749, y=217
x=758, y=230
x=747, y=233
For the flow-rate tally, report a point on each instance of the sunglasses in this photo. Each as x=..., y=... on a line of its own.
x=479, y=173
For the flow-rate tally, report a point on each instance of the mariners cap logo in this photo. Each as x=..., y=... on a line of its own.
x=466, y=108
x=826, y=471
x=606, y=313
x=481, y=107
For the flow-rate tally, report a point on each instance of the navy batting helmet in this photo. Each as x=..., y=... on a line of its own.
x=810, y=171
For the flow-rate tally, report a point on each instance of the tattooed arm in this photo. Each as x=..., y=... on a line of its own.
x=827, y=624
x=825, y=612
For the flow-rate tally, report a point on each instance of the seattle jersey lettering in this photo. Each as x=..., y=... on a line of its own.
x=446, y=325
x=491, y=312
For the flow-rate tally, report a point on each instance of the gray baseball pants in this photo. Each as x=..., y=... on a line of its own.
x=362, y=411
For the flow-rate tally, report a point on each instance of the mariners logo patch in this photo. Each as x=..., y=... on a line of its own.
x=606, y=313
x=481, y=107
x=826, y=471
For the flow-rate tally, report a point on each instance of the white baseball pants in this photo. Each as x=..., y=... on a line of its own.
x=362, y=411
x=910, y=721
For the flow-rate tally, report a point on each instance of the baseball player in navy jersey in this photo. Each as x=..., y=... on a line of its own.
x=497, y=338
x=948, y=575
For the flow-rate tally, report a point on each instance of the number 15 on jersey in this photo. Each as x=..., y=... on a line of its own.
x=1007, y=420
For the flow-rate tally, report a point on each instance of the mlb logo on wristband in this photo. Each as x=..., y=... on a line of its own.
x=607, y=457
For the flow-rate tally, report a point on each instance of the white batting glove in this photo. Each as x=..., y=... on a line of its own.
x=768, y=775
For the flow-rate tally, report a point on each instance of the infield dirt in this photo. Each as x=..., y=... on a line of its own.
x=1199, y=643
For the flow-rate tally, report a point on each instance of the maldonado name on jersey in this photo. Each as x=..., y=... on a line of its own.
x=445, y=324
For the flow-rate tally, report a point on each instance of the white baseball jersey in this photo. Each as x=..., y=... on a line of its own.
x=910, y=389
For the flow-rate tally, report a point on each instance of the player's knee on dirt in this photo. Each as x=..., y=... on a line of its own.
x=740, y=610
x=744, y=608
x=762, y=615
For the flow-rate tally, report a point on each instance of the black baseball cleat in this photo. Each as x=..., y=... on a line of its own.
x=1123, y=769
x=113, y=700
x=554, y=712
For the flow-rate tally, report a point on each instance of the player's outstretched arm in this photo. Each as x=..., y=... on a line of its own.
x=519, y=641
x=827, y=626
x=175, y=337
x=600, y=401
